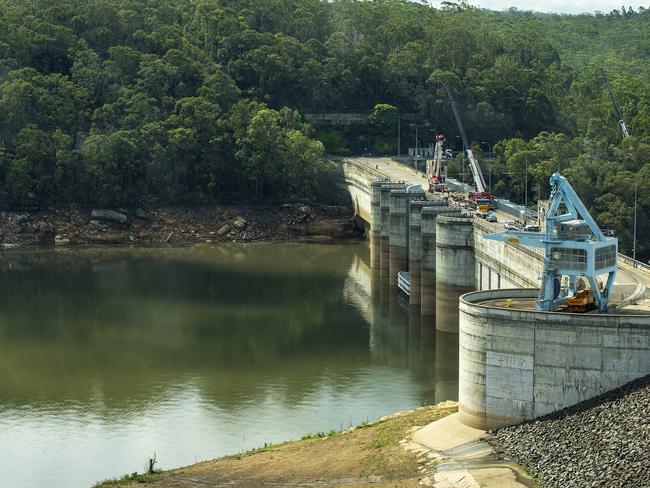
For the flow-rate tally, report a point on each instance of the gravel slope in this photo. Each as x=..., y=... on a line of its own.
x=603, y=442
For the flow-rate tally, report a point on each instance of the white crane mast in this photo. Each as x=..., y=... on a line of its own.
x=617, y=107
x=477, y=174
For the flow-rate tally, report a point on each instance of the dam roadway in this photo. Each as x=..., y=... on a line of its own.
x=630, y=285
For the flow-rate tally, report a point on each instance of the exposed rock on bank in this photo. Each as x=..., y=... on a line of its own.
x=603, y=442
x=175, y=225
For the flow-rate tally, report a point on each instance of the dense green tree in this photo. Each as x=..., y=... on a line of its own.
x=187, y=101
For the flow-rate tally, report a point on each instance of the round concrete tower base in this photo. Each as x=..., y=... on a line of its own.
x=516, y=364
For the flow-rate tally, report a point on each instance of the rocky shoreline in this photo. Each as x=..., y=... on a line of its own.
x=602, y=442
x=175, y=225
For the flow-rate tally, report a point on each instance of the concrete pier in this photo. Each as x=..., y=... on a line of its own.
x=399, y=231
x=446, y=366
x=455, y=267
x=384, y=231
x=428, y=255
x=375, y=223
x=415, y=249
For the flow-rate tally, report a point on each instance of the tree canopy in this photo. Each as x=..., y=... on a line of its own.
x=191, y=101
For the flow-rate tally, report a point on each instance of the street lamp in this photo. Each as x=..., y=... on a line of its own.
x=416, y=138
x=526, y=195
x=636, y=184
x=399, y=147
x=462, y=163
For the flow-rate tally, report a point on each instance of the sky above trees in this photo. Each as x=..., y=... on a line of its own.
x=561, y=6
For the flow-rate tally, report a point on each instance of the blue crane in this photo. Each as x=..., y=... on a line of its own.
x=575, y=249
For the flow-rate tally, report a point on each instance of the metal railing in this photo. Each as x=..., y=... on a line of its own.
x=365, y=167
x=404, y=282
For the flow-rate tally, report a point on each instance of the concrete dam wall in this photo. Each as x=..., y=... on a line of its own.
x=514, y=363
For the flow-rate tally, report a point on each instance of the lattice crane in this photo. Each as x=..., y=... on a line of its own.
x=574, y=249
x=477, y=174
x=617, y=107
x=434, y=168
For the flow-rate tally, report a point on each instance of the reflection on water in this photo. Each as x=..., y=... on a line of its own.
x=109, y=355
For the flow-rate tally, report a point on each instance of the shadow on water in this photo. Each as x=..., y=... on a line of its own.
x=114, y=353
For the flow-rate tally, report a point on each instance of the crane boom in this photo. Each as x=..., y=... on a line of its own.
x=477, y=174
x=434, y=168
x=617, y=107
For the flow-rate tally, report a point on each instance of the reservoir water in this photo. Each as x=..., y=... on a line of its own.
x=111, y=355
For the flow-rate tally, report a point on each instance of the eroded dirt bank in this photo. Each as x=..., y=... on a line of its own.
x=175, y=225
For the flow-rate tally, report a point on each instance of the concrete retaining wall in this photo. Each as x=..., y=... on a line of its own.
x=515, y=365
x=515, y=265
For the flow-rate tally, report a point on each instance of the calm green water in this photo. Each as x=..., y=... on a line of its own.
x=110, y=355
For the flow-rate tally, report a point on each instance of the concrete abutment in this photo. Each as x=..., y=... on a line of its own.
x=375, y=223
x=399, y=231
x=415, y=249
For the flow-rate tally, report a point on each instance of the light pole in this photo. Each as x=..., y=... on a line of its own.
x=399, y=147
x=416, y=138
x=526, y=195
x=462, y=162
x=490, y=177
x=636, y=183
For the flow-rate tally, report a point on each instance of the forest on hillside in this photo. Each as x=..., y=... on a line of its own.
x=114, y=102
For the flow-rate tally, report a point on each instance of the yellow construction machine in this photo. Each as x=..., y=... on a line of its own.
x=583, y=301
